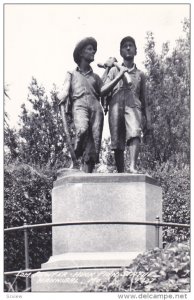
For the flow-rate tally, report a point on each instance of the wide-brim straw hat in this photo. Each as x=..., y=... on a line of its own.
x=80, y=45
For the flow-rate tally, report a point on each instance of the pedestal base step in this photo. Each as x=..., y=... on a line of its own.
x=77, y=280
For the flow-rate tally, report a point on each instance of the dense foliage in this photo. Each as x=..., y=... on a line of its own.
x=35, y=152
x=168, y=85
x=41, y=133
x=27, y=204
x=28, y=198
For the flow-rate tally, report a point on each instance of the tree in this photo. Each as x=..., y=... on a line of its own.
x=168, y=82
x=41, y=131
x=10, y=135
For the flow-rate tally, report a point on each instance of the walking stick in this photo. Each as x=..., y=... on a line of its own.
x=68, y=136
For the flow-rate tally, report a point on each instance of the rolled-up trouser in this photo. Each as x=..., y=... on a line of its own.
x=124, y=122
x=88, y=119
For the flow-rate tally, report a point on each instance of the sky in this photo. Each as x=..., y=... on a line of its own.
x=39, y=39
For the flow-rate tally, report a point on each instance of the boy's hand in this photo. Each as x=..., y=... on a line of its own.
x=110, y=62
x=122, y=70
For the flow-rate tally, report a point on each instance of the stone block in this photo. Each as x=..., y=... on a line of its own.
x=105, y=197
x=95, y=251
x=76, y=280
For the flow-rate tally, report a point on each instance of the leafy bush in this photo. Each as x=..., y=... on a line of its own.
x=157, y=270
x=27, y=198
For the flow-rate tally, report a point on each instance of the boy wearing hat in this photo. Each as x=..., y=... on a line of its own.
x=83, y=87
x=127, y=105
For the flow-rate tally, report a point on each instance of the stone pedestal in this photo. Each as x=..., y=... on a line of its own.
x=83, y=197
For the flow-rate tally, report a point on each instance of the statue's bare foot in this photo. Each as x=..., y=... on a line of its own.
x=74, y=165
x=133, y=170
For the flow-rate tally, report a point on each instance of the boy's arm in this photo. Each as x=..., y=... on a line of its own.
x=107, y=66
x=110, y=84
x=63, y=94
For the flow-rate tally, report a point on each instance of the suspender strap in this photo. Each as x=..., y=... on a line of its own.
x=88, y=85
